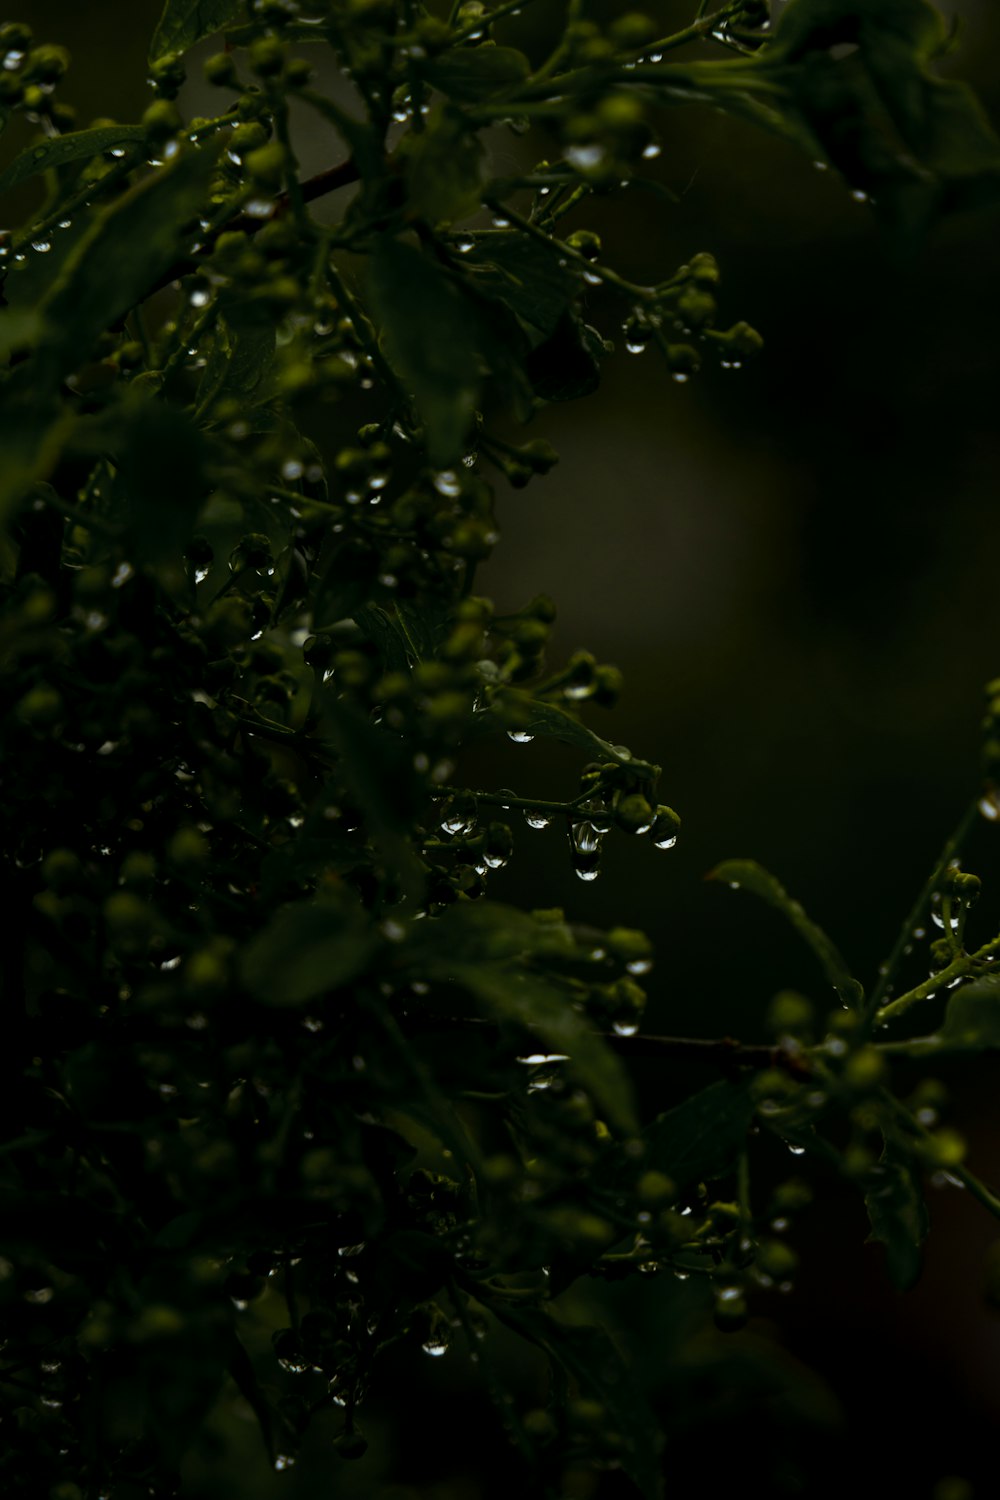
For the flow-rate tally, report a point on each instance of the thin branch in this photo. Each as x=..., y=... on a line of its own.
x=722, y=1052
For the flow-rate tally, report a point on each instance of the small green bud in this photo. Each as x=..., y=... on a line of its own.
x=251, y=104
x=220, y=69
x=655, y=1189
x=731, y=1310
x=167, y=75
x=776, y=1259
x=944, y=1148
x=15, y=36
x=267, y=56
x=188, y=849
x=585, y=242
x=865, y=1069
x=789, y=1014
x=45, y=65
x=138, y=870
x=162, y=119
x=40, y=707
x=666, y=827
x=298, y=72
x=634, y=814
x=267, y=164
x=62, y=869
x=632, y=31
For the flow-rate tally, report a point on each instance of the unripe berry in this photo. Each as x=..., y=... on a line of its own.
x=267, y=56
x=45, y=65
x=167, y=75
x=634, y=814
x=267, y=164
x=220, y=69
x=162, y=119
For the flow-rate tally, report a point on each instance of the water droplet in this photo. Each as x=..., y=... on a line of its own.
x=259, y=208
x=679, y=377
x=435, y=1347
x=797, y=1150
x=519, y=736
x=535, y=819
x=859, y=195
x=624, y=1028
x=284, y=1461
x=585, y=838
x=464, y=243
x=635, y=346
x=499, y=222
x=666, y=842
x=41, y=246
x=651, y=151
x=447, y=483
x=584, y=157
x=583, y=874
x=199, y=297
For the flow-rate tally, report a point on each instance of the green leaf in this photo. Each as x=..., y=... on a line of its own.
x=428, y=330
x=60, y=150
x=567, y=365
x=442, y=167
x=125, y=252
x=911, y=25
x=185, y=22
x=306, y=950
x=749, y=876
x=972, y=1020
x=592, y=1360
x=473, y=73
x=117, y=262
x=527, y=276
x=917, y=143
x=506, y=992
x=700, y=1139
x=241, y=364
x=898, y=1214
x=514, y=709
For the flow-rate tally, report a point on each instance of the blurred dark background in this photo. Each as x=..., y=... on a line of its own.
x=796, y=567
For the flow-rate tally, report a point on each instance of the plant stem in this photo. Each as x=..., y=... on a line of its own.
x=888, y=971
x=963, y=964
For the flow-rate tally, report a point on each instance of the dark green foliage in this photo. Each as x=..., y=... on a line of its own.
x=286, y=1094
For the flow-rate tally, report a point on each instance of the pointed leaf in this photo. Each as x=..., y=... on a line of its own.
x=749, y=876
x=700, y=1139
x=548, y=721
x=529, y=277
x=185, y=22
x=60, y=150
x=898, y=1214
x=442, y=166
x=429, y=334
x=305, y=950
x=509, y=993
x=474, y=73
